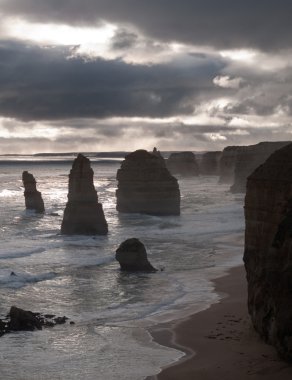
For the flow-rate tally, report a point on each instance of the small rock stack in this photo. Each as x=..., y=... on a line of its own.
x=146, y=186
x=33, y=198
x=83, y=214
x=132, y=256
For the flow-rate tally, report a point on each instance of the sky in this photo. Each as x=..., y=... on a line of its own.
x=105, y=75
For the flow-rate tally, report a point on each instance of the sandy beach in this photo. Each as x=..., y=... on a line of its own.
x=220, y=341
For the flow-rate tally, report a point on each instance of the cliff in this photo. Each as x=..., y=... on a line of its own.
x=268, y=248
x=146, y=186
x=183, y=163
x=83, y=214
x=33, y=198
x=249, y=158
x=209, y=163
x=227, y=163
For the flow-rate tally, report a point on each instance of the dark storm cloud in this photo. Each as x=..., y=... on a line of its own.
x=43, y=83
x=263, y=24
x=123, y=39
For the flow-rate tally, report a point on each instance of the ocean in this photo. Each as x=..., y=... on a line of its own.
x=79, y=277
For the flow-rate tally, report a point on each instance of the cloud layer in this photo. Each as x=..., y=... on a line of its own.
x=187, y=74
x=224, y=24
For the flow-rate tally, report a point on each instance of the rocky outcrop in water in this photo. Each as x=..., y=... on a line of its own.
x=25, y=320
x=83, y=214
x=146, y=186
x=249, y=158
x=33, y=198
x=227, y=163
x=132, y=256
x=209, y=163
x=183, y=163
x=268, y=248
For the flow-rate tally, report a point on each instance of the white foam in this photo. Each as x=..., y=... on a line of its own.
x=18, y=280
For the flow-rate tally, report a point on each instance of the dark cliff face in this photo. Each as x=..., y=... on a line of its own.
x=227, y=163
x=209, y=164
x=183, y=163
x=146, y=186
x=249, y=158
x=268, y=249
x=33, y=198
x=83, y=214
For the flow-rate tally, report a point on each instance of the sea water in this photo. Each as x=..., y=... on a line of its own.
x=78, y=276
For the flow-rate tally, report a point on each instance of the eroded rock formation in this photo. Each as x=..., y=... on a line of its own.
x=25, y=320
x=132, y=256
x=268, y=248
x=183, y=163
x=33, y=198
x=146, y=186
x=157, y=153
x=209, y=163
x=227, y=163
x=83, y=214
x=249, y=158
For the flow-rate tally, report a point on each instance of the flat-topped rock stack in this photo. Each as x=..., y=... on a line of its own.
x=33, y=198
x=146, y=186
x=209, y=163
x=183, y=163
x=83, y=214
x=249, y=158
x=227, y=163
x=268, y=248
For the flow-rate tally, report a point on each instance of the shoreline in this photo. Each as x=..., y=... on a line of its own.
x=220, y=341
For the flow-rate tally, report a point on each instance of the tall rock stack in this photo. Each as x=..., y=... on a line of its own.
x=33, y=198
x=183, y=163
x=249, y=158
x=268, y=249
x=83, y=214
x=209, y=164
x=146, y=186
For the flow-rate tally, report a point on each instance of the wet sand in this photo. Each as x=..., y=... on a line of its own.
x=220, y=341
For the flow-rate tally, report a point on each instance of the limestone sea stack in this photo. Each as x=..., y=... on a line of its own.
x=183, y=163
x=227, y=163
x=268, y=248
x=209, y=163
x=83, y=214
x=132, y=256
x=249, y=158
x=33, y=198
x=146, y=186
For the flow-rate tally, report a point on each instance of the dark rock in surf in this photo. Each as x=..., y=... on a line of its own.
x=183, y=163
x=146, y=186
x=33, y=198
x=132, y=256
x=22, y=320
x=25, y=320
x=83, y=214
